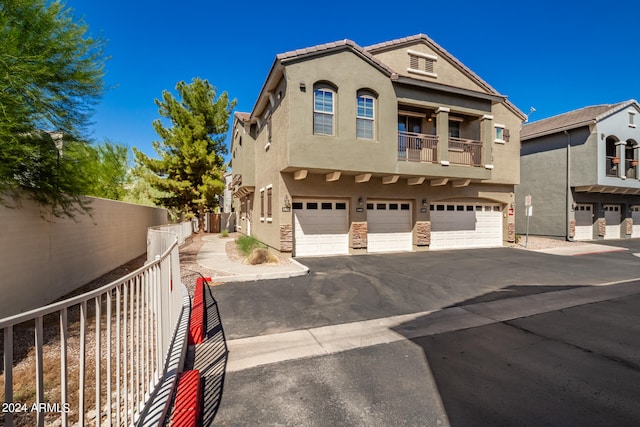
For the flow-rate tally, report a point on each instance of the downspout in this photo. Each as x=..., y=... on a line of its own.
x=568, y=189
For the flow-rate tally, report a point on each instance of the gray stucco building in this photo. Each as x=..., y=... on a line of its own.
x=581, y=171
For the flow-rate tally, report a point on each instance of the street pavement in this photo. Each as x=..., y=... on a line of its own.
x=462, y=338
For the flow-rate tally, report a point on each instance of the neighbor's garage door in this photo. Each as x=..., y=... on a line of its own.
x=635, y=214
x=458, y=226
x=612, y=221
x=321, y=227
x=389, y=226
x=584, y=222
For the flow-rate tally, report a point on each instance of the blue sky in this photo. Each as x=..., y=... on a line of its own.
x=555, y=56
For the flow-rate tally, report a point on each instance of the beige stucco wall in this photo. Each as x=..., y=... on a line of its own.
x=447, y=73
x=42, y=260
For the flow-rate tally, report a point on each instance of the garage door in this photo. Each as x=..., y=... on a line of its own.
x=635, y=214
x=321, y=227
x=458, y=226
x=389, y=226
x=584, y=222
x=612, y=221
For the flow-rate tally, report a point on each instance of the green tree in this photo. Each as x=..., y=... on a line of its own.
x=189, y=173
x=51, y=75
x=110, y=173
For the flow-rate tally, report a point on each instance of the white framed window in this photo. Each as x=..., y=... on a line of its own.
x=262, y=205
x=269, y=203
x=632, y=119
x=499, y=134
x=323, y=110
x=365, y=116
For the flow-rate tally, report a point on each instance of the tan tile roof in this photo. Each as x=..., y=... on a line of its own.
x=321, y=48
x=571, y=120
x=242, y=116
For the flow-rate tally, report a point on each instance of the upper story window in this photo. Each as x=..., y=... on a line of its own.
x=500, y=134
x=365, y=115
x=632, y=117
x=323, y=110
x=422, y=63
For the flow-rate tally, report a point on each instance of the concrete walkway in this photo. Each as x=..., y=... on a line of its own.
x=580, y=249
x=213, y=255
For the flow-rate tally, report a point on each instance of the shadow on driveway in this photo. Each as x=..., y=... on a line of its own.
x=570, y=367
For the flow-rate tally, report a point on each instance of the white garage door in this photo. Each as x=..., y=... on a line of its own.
x=612, y=221
x=389, y=226
x=584, y=222
x=458, y=225
x=635, y=214
x=321, y=227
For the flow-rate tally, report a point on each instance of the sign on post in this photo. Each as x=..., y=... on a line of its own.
x=528, y=212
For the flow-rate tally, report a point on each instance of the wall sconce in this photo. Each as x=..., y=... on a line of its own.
x=287, y=202
x=360, y=201
x=303, y=86
x=424, y=203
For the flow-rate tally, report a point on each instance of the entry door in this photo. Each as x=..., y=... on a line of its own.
x=584, y=222
x=612, y=221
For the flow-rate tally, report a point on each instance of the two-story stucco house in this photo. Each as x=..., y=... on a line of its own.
x=392, y=147
x=581, y=170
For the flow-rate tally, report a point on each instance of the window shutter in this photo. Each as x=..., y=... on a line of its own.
x=505, y=135
x=269, y=202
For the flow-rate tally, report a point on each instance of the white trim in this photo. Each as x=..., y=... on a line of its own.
x=443, y=110
x=422, y=73
x=499, y=125
x=444, y=162
x=267, y=145
x=268, y=186
x=488, y=166
x=488, y=117
x=422, y=55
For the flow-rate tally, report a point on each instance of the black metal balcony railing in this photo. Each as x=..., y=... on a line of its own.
x=417, y=147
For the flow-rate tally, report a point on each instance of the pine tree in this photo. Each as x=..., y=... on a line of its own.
x=191, y=166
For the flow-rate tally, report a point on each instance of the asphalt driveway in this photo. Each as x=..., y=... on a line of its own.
x=354, y=288
x=578, y=365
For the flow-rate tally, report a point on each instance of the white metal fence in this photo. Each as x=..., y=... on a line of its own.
x=101, y=357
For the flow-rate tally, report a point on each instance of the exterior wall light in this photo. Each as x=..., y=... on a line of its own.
x=287, y=202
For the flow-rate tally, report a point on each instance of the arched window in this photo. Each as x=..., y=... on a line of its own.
x=612, y=157
x=365, y=115
x=323, y=109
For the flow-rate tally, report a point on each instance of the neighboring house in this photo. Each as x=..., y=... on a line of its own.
x=392, y=147
x=581, y=170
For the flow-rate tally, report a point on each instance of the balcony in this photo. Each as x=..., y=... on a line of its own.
x=466, y=152
x=418, y=147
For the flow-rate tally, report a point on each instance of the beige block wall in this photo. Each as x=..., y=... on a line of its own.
x=41, y=261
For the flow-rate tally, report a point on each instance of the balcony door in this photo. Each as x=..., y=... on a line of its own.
x=409, y=124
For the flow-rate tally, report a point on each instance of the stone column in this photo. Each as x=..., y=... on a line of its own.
x=423, y=233
x=359, y=235
x=286, y=238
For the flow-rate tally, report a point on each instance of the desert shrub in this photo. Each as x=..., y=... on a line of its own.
x=261, y=256
x=246, y=244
